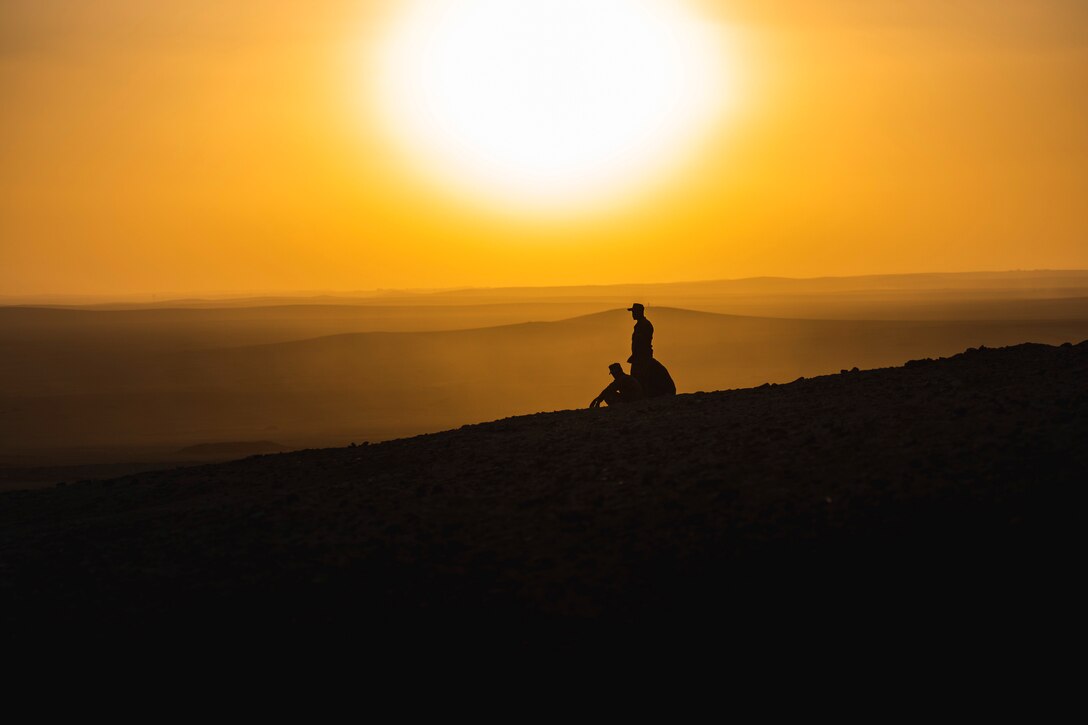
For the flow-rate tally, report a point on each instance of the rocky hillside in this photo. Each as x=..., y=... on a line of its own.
x=943, y=491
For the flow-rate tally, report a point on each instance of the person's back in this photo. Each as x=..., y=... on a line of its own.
x=662, y=381
x=642, y=340
x=642, y=337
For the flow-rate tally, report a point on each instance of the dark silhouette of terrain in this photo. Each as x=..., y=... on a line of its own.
x=942, y=496
x=105, y=388
x=100, y=391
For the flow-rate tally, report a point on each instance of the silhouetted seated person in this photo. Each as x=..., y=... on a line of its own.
x=651, y=374
x=622, y=389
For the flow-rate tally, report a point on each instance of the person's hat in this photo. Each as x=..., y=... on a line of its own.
x=614, y=367
x=636, y=306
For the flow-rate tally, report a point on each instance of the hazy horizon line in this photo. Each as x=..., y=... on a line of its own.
x=63, y=298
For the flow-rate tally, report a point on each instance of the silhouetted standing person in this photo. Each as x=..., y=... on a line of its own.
x=622, y=389
x=651, y=374
x=642, y=338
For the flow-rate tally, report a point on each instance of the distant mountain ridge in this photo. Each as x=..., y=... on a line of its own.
x=375, y=385
x=1001, y=280
x=233, y=449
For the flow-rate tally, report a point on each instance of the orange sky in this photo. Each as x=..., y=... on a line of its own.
x=205, y=146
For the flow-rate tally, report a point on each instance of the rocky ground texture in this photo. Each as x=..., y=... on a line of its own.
x=941, y=491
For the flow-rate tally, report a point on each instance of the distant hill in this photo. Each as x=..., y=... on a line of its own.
x=232, y=449
x=1032, y=283
x=935, y=500
x=377, y=385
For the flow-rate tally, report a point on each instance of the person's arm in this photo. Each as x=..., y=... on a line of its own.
x=600, y=398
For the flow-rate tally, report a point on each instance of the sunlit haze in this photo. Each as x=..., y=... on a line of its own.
x=200, y=147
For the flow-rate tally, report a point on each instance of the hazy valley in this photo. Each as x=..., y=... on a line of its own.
x=108, y=385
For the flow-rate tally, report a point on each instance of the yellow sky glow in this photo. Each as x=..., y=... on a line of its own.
x=205, y=146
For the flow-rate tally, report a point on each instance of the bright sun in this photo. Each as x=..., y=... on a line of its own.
x=550, y=103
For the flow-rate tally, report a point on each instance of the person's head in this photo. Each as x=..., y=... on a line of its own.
x=616, y=369
x=636, y=310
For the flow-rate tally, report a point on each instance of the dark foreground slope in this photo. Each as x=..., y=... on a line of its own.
x=883, y=501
